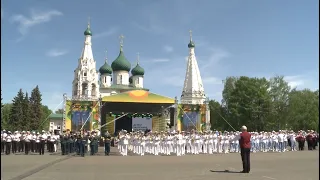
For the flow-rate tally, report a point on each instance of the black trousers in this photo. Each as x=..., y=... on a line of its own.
x=14, y=146
x=245, y=157
x=8, y=147
x=21, y=146
x=301, y=145
x=41, y=147
x=3, y=145
x=27, y=147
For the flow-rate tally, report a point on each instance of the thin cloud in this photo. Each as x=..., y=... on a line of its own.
x=216, y=56
x=168, y=49
x=211, y=80
x=303, y=81
x=107, y=33
x=56, y=53
x=157, y=60
x=160, y=60
x=36, y=18
x=53, y=100
x=151, y=28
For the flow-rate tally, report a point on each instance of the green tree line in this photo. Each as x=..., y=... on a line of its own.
x=25, y=113
x=264, y=105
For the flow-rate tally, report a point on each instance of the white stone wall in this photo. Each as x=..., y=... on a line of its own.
x=108, y=92
x=120, y=78
x=105, y=80
x=137, y=81
x=55, y=124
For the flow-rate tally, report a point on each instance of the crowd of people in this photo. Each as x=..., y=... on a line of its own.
x=182, y=143
x=155, y=143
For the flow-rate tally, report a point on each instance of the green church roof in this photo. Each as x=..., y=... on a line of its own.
x=191, y=44
x=121, y=63
x=105, y=69
x=137, y=71
x=88, y=32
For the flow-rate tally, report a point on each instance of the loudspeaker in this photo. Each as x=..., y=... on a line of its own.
x=172, y=116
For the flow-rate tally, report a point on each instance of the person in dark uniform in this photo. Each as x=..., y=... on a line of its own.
x=78, y=143
x=63, y=143
x=245, y=146
x=92, y=144
x=314, y=140
x=309, y=139
x=84, y=141
x=301, y=140
x=107, y=142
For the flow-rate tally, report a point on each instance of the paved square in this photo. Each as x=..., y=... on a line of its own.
x=264, y=166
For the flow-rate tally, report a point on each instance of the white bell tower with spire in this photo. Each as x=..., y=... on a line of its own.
x=193, y=90
x=85, y=84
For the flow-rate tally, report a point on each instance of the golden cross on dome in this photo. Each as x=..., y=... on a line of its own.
x=106, y=55
x=138, y=55
x=121, y=37
x=89, y=21
x=190, y=35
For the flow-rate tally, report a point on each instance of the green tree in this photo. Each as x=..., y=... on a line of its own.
x=36, y=109
x=1, y=100
x=5, y=116
x=279, y=93
x=247, y=102
x=45, y=120
x=15, y=121
x=59, y=111
x=216, y=116
x=303, y=109
x=26, y=118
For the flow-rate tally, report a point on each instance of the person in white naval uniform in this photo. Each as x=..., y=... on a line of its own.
x=9, y=139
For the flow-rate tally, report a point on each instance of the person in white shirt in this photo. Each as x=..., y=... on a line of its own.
x=28, y=138
x=8, y=143
x=280, y=141
x=43, y=138
x=3, y=140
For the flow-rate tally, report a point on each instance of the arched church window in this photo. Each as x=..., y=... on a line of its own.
x=105, y=79
x=85, y=74
x=120, y=79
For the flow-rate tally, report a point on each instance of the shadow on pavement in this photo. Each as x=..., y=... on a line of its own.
x=225, y=171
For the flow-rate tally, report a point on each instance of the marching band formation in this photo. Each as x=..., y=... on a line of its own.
x=155, y=143
x=182, y=143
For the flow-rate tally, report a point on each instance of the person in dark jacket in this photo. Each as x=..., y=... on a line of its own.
x=245, y=146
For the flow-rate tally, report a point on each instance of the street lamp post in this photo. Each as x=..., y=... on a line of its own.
x=100, y=108
x=175, y=113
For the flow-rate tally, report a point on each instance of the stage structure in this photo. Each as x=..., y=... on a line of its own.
x=143, y=110
x=193, y=110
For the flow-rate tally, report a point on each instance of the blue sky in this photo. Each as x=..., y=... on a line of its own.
x=42, y=41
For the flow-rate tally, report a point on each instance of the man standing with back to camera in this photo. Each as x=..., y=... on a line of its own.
x=245, y=146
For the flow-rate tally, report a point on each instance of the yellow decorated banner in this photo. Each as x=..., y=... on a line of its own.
x=138, y=96
x=82, y=113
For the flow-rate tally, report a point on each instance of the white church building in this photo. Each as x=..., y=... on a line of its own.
x=114, y=79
